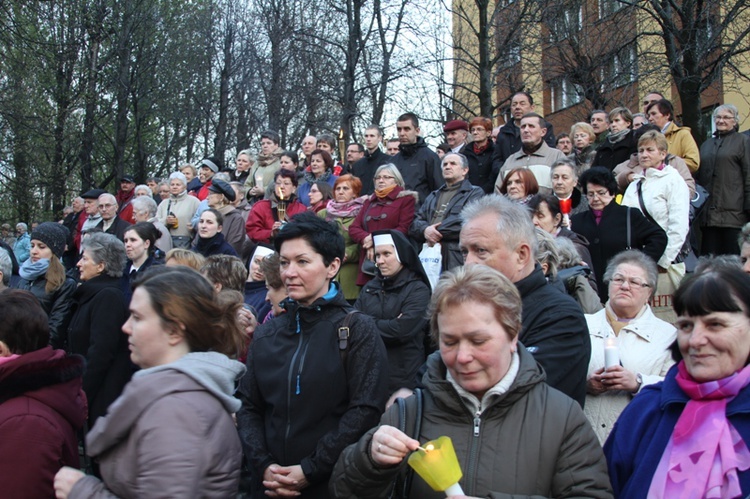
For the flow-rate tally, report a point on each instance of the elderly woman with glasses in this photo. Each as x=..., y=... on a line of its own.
x=628, y=327
x=611, y=228
x=390, y=207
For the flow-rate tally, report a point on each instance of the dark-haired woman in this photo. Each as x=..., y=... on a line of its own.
x=99, y=311
x=42, y=405
x=611, y=228
x=268, y=215
x=317, y=374
x=210, y=239
x=397, y=298
x=688, y=436
x=545, y=213
x=140, y=247
x=171, y=432
x=321, y=170
x=320, y=193
x=44, y=275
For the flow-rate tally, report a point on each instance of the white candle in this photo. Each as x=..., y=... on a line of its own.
x=611, y=353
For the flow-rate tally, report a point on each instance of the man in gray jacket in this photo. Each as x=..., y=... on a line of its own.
x=439, y=220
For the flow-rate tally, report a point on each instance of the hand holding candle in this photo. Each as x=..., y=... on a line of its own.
x=437, y=464
x=611, y=353
x=566, y=206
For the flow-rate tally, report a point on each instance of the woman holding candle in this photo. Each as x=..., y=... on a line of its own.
x=629, y=344
x=513, y=434
x=268, y=215
x=687, y=437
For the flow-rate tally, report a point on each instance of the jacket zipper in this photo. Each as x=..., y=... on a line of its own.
x=290, y=375
x=473, y=454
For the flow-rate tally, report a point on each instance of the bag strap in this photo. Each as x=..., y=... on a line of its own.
x=344, y=333
x=639, y=187
x=402, y=484
x=629, y=246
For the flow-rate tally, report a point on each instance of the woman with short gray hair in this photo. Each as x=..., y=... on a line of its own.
x=725, y=173
x=629, y=344
x=144, y=210
x=95, y=328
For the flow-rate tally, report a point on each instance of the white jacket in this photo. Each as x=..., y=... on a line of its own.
x=644, y=348
x=667, y=200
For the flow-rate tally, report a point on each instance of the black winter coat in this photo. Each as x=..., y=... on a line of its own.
x=364, y=169
x=95, y=331
x=610, y=237
x=481, y=173
x=57, y=305
x=554, y=331
x=216, y=245
x=610, y=155
x=301, y=402
x=450, y=227
x=398, y=306
x=725, y=173
x=420, y=168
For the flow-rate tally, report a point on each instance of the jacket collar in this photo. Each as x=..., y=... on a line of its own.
x=531, y=282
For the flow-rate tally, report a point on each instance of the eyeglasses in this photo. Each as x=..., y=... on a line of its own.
x=384, y=177
x=599, y=194
x=723, y=118
x=634, y=282
x=106, y=206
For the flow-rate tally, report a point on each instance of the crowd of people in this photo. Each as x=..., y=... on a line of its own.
x=298, y=325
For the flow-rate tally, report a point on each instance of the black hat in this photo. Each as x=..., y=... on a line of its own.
x=221, y=187
x=53, y=235
x=93, y=194
x=127, y=178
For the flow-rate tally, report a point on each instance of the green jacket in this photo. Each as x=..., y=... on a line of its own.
x=531, y=441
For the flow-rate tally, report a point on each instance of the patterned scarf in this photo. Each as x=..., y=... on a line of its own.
x=344, y=210
x=705, y=450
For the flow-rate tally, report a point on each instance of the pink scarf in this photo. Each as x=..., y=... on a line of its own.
x=705, y=450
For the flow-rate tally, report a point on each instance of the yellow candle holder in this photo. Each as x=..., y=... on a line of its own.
x=437, y=464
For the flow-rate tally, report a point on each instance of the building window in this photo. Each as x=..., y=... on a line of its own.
x=609, y=7
x=564, y=21
x=621, y=69
x=512, y=54
x=564, y=94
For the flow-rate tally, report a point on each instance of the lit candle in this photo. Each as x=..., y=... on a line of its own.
x=611, y=353
x=437, y=464
x=566, y=205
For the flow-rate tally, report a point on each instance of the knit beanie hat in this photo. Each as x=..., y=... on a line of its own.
x=53, y=235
